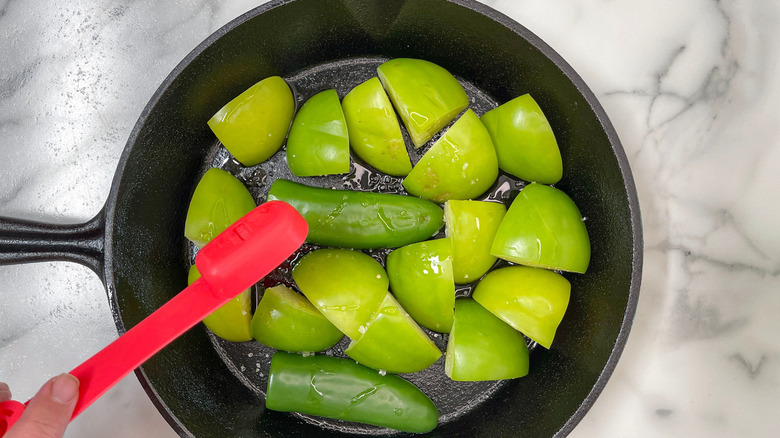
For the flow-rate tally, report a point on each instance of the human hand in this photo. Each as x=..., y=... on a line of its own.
x=48, y=412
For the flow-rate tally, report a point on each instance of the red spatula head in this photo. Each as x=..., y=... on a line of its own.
x=229, y=263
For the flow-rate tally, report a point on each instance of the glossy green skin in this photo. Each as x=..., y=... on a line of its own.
x=318, y=143
x=524, y=141
x=374, y=133
x=360, y=220
x=421, y=280
x=426, y=96
x=393, y=342
x=218, y=201
x=543, y=228
x=231, y=321
x=285, y=320
x=254, y=124
x=346, y=286
x=532, y=300
x=461, y=164
x=472, y=225
x=339, y=388
x=482, y=347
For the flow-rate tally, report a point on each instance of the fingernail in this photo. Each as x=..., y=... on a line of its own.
x=64, y=389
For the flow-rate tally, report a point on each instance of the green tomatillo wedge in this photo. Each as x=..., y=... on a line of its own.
x=360, y=220
x=346, y=286
x=393, y=342
x=543, y=228
x=218, y=201
x=231, y=321
x=532, y=300
x=338, y=388
x=482, y=347
x=426, y=96
x=253, y=125
x=460, y=165
x=524, y=141
x=472, y=225
x=318, y=143
x=374, y=133
x=285, y=320
x=421, y=280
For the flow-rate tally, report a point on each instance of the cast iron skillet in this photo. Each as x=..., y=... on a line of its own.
x=208, y=388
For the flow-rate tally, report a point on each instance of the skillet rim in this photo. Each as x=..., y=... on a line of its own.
x=514, y=27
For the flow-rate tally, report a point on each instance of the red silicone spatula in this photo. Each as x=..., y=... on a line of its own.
x=235, y=260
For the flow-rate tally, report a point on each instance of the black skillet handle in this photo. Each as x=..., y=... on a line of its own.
x=23, y=241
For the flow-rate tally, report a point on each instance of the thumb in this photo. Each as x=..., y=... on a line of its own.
x=49, y=412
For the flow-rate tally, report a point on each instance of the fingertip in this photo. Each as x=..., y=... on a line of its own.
x=49, y=411
x=65, y=389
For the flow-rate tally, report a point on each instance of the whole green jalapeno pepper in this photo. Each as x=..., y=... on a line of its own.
x=360, y=220
x=339, y=388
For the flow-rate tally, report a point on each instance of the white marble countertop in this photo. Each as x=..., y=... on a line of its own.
x=691, y=88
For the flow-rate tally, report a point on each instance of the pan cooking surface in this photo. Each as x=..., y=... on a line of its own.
x=250, y=361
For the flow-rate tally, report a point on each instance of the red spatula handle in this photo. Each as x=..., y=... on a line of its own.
x=235, y=260
x=109, y=365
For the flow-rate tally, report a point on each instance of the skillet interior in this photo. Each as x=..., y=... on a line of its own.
x=201, y=389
